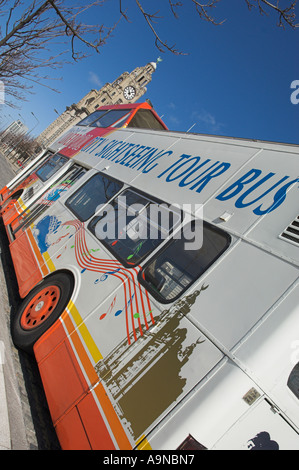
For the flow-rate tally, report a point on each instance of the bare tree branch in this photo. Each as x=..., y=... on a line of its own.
x=26, y=19
x=204, y=9
x=286, y=16
x=30, y=28
x=28, y=35
x=73, y=29
x=160, y=44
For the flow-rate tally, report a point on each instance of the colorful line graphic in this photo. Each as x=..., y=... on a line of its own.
x=135, y=299
x=109, y=309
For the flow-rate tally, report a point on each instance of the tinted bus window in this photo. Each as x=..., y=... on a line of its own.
x=51, y=166
x=112, y=117
x=96, y=191
x=132, y=226
x=145, y=119
x=175, y=268
x=106, y=118
x=91, y=118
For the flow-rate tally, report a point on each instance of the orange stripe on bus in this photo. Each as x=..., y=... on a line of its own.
x=38, y=255
x=106, y=404
x=114, y=422
x=77, y=342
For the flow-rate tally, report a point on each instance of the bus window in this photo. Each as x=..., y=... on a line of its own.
x=175, y=268
x=145, y=119
x=91, y=118
x=35, y=210
x=51, y=166
x=293, y=382
x=112, y=117
x=132, y=226
x=106, y=118
x=98, y=190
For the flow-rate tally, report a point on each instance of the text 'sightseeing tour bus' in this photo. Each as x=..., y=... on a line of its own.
x=159, y=277
x=40, y=174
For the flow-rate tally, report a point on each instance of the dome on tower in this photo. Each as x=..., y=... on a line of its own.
x=154, y=65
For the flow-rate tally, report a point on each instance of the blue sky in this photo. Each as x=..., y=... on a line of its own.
x=235, y=79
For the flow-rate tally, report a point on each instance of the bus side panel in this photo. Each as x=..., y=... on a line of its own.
x=71, y=433
x=73, y=412
x=10, y=214
x=94, y=424
x=25, y=264
x=63, y=381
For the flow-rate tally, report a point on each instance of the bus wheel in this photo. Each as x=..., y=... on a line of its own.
x=40, y=309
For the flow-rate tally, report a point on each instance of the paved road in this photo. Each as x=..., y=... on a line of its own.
x=29, y=419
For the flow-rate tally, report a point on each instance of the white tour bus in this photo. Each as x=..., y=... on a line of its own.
x=159, y=278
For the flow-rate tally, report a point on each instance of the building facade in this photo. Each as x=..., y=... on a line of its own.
x=11, y=136
x=16, y=128
x=127, y=88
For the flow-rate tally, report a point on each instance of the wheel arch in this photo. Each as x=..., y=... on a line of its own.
x=25, y=338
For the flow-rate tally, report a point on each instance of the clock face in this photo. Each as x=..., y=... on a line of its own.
x=129, y=92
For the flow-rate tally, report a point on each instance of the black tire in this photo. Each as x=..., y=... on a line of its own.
x=24, y=336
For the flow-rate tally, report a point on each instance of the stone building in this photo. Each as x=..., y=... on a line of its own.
x=11, y=136
x=15, y=129
x=127, y=88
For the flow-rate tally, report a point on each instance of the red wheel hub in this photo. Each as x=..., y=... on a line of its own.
x=40, y=307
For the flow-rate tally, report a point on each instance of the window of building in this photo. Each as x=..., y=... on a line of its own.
x=89, y=101
x=98, y=190
x=117, y=82
x=175, y=267
x=293, y=381
x=133, y=225
x=51, y=166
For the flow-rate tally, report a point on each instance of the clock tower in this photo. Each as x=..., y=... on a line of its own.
x=127, y=88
